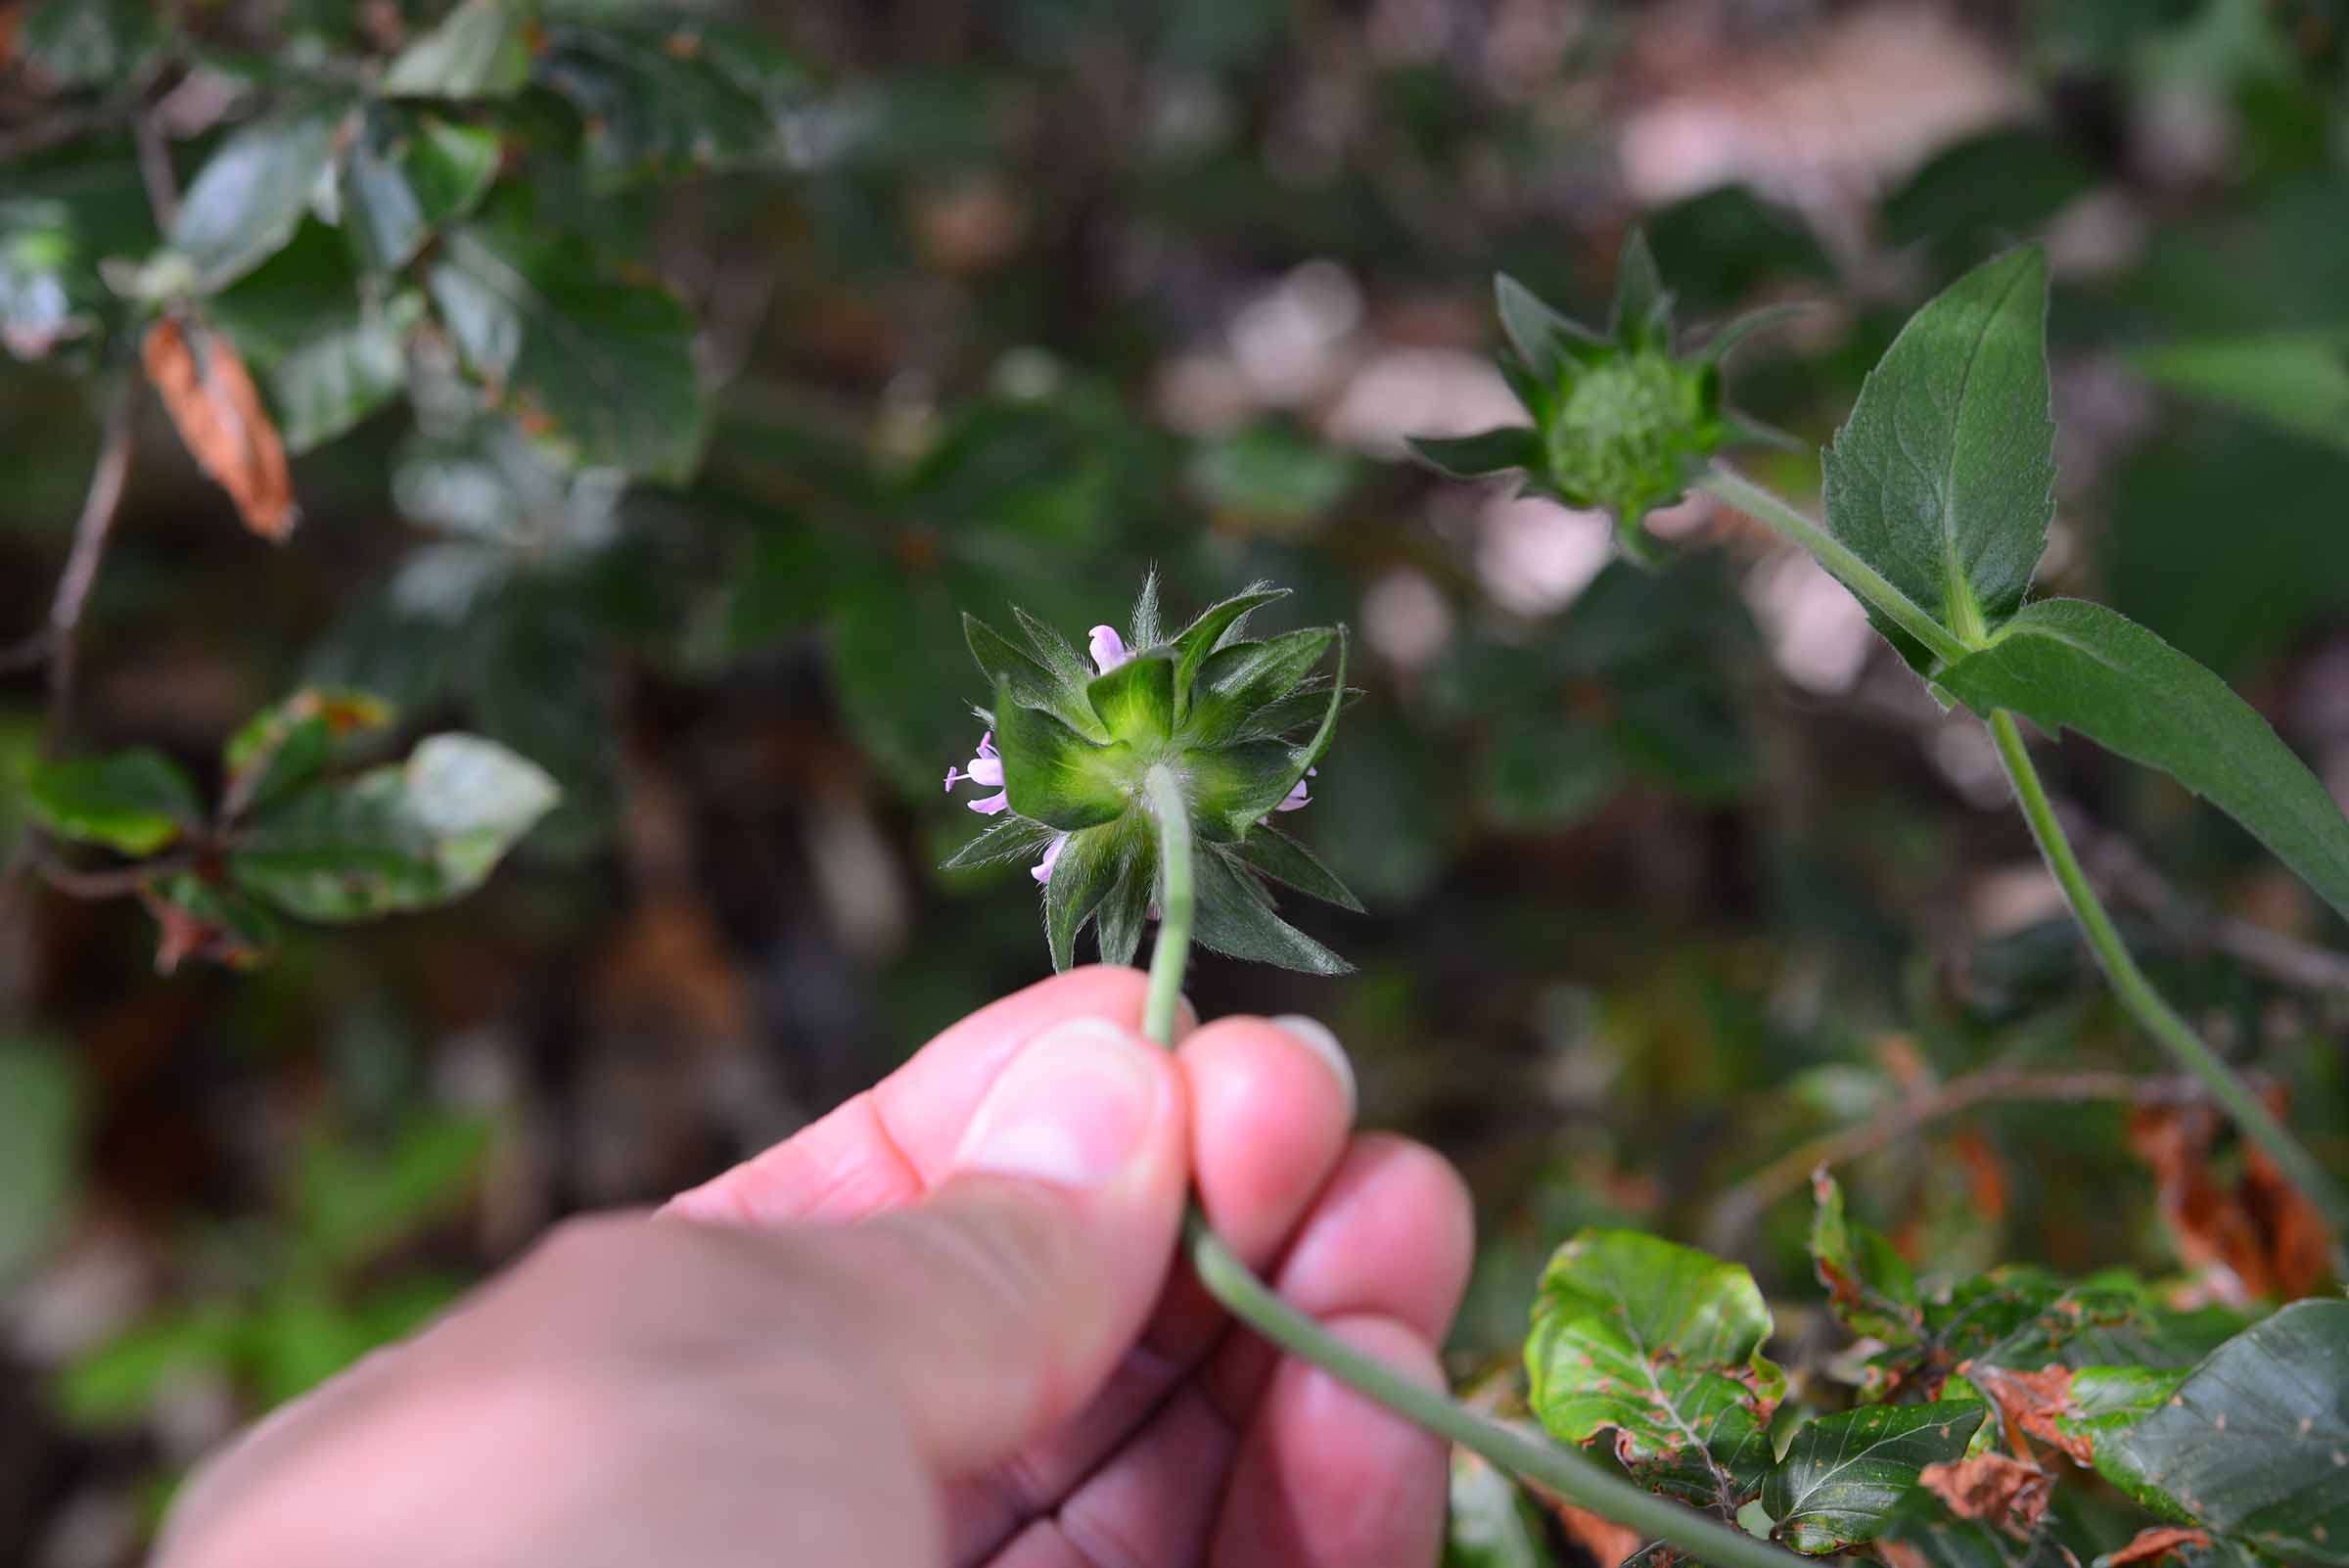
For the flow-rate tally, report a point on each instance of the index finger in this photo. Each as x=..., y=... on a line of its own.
x=892, y=1143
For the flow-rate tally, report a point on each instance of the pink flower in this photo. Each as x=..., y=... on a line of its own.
x=1042, y=869
x=1108, y=649
x=1297, y=798
x=987, y=769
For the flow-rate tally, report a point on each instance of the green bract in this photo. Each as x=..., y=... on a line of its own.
x=1620, y=423
x=1239, y=723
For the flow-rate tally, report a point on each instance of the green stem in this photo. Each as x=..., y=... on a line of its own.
x=1871, y=586
x=1247, y=1298
x=2136, y=992
x=1176, y=901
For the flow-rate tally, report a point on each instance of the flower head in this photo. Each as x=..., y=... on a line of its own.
x=1619, y=421
x=1240, y=724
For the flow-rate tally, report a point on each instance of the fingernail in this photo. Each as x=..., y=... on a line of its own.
x=1315, y=1034
x=1073, y=1108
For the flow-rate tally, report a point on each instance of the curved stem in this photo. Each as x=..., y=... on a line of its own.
x=1247, y=1298
x=1871, y=586
x=2137, y=994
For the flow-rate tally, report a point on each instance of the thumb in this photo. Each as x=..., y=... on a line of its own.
x=996, y=1307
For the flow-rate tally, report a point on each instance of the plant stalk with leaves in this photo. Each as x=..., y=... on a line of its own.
x=1939, y=491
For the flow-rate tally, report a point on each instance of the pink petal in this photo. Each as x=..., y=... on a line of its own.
x=989, y=805
x=988, y=770
x=952, y=775
x=1042, y=869
x=1108, y=649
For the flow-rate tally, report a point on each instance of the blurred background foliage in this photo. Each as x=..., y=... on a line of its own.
x=661, y=386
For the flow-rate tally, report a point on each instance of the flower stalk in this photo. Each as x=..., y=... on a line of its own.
x=1247, y=1298
x=2135, y=992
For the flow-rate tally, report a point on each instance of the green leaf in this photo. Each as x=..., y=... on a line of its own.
x=1135, y=702
x=1087, y=866
x=133, y=802
x=1490, y=1522
x=478, y=50
x=1543, y=338
x=2102, y=1401
x=1066, y=664
x=1144, y=629
x=1053, y=774
x=1662, y=1345
x=397, y=837
x=40, y=1126
x=2297, y=382
x=1869, y=1286
x=1241, y=679
x=1008, y=837
x=1943, y=478
x=1273, y=853
x=2067, y=664
x=1642, y=312
x=289, y=743
x=1216, y=627
x=1843, y=1475
x=669, y=93
x=327, y=351
x=1241, y=784
x=1125, y=909
x=90, y=43
x=117, y=1380
x=1467, y=457
x=1236, y=917
x=249, y=198
x=603, y=367
x=408, y=174
x=205, y=920
x=2254, y=1444
x=1030, y=683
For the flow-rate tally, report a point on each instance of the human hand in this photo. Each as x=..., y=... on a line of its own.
x=938, y=1326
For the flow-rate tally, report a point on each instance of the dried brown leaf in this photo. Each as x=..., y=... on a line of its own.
x=2153, y=1545
x=213, y=400
x=1999, y=1491
x=2259, y=1237
x=1608, y=1542
x=2034, y=1401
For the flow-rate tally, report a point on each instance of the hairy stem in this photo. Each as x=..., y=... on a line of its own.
x=1247, y=1298
x=1830, y=552
x=2137, y=994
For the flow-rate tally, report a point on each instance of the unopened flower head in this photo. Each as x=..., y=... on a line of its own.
x=1619, y=421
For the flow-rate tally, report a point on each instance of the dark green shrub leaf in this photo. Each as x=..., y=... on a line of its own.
x=602, y=367
x=2297, y=382
x=327, y=351
x=2067, y=664
x=396, y=838
x=1492, y=1523
x=288, y=744
x=134, y=801
x=40, y=1122
x=669, y=93
x=1843, y=1475
x=1869, y=1286
x=90, y=44
x=407, y=174
x=1662, y=1345
x=249, y=198
x=207, y=921
x=479, y=50
x=1943, y=478
x=2254, y=1444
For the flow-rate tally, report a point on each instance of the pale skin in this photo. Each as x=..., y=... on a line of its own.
x=941, y=1326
